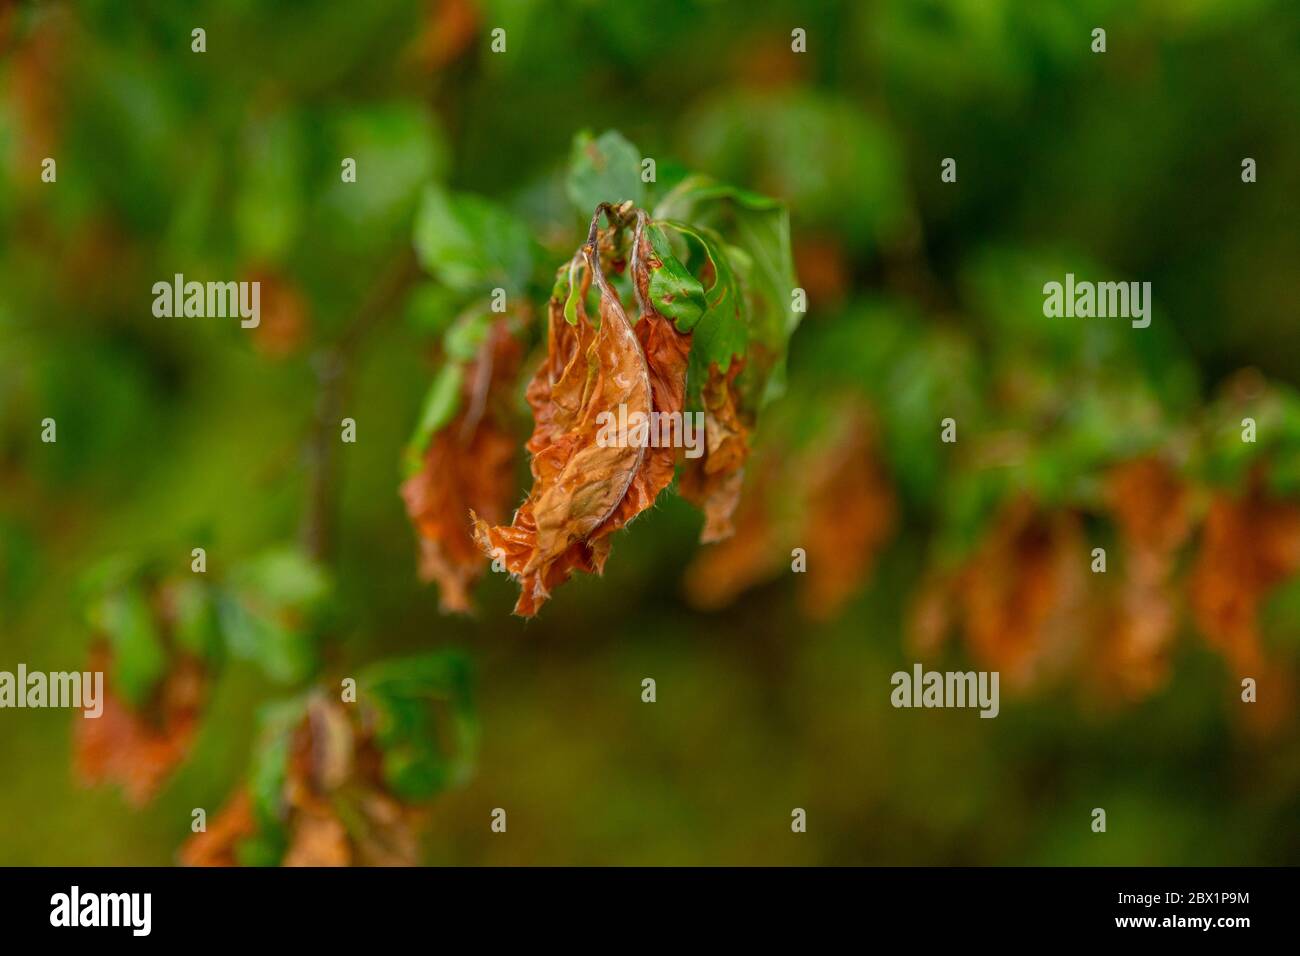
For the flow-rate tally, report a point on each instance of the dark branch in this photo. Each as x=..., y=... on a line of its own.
x=334, y=369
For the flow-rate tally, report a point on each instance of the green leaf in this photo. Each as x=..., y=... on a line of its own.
x=405, y=695
x=572, y=295
x=720, y=335
x=440, y=405
x=268, y=207
x=263, y=849
x=465, y=338
x=397, y=147
x=139, y=658
x=266, y=782
x=686, y=197
x=674, y=292
x=471, y=244
x=442, y=674
x=270, y=771
x=764, y=233
x=431, y=307
x=833, y=161
x=760, y=226
x=282, y=577
x=414, y=773
x=605, y=169
x=273, y=612
x=196, y=627
x=461, y=344
x=284, y=649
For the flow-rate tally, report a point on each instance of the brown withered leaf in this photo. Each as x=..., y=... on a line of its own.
x=820, y=264
x=34, y=87
x=1274, y=707
x=138, y=750
x=584, y=489
x=318, y=839
x=1139, y=618
x=666, y=351
x=1135, y=630
x=337, y=809
x=1019, y=601
x=713, y=481
x=334, y=763
x=833, y=500
x=1150, y=503
x=930, y=616
x=449, y=27
x=468, y=467
x=850, y=513
x=1023, y=593
x=391, y=832
x=282, y=328
x=216, y=845
x=756, y=550
x=1249, y=545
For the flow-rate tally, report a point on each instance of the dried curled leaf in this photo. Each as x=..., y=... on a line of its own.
x=585, y=488
x=754, y=553
x=713, y=482
x=138, y=749
x=216, y=845
x=1249, y=545
x=449, y=27
x=1151, y=506
x=344, y=784
x=850, y=514
x=1019, y=600
x=467, y=467
x=666, y=351
x=832, y=499
x=332, y=801
x=330, y=755
x=156, y=642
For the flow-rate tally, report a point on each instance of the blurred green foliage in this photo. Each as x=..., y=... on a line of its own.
x=925, y=299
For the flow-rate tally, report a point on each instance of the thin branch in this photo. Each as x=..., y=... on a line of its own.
x=334, y=369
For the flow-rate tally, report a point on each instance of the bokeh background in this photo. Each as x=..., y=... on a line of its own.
x=925, y=302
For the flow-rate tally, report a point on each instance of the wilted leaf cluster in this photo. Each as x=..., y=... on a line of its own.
x=161, y=639
x=653, y=319
x=342, y=779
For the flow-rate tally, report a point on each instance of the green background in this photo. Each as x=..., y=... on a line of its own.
x=172, y=431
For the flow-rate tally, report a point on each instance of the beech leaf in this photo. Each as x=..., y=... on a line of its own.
x=585, y=488
x=673, y=290
x=471, y=244
x=604, y=169
x=461, y=460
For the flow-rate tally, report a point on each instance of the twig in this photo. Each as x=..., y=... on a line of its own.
x=334, y=368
